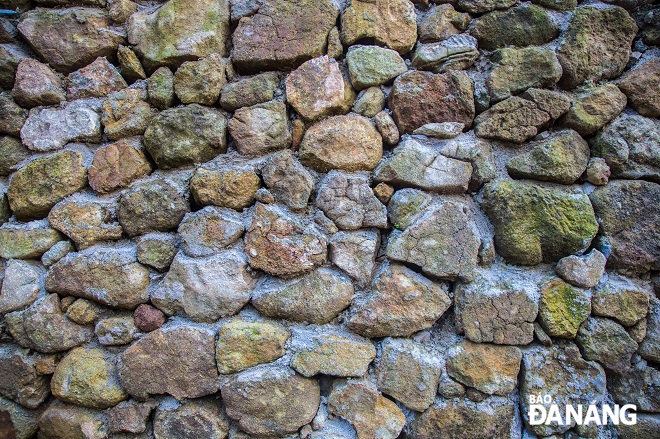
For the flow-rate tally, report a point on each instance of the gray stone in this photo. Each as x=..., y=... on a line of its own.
x=126, y=113
x=157, y=250
x=369, y=102
x=441, y=22
x=649, y=349
x=21, y=285
x=249, y=91
x=444, y=130
x=57, y=252
x=191, y=419
x=20, y=380
x=17, y=420
x=27, y=241
x=593, y=108
x=116, y=331
x=160, y=88
x=355, y=253
x=260, y=129
x=582, y=271
x=288, y=181
x=638, y=386
x=96, y=80
x=372, y=65
x=13, y=115
x=130, y=416
x=406, y=206
x=481, y=6
x=458, y=52
x=207, y=231
x=12, y=153
x=621, y=299
x=607, y=342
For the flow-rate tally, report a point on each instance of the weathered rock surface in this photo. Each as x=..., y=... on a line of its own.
x=191, y=419
x=200, y=82
x=160, y=88
x=249, y=91
x=607, y=342
x=355, y=252
x=288, y=181
x=12, y=153
x=18, y=421
x=126, y=113
x=640, y=86
x=582, y=271
x=260, y=129
x=526, y=25
x=593, y=108
x=371, y=66
x=96, y=80
x=21, y=285
x=157, y=250
x=116, y=331
x=481, y=6
x=335, y=355
x=400, y=303
x=28, y=241
x=225, y=187
x=131, y=68
x=562, y=308
x=108, y=276
x=36, y=85
x=205, y=289
x=441, y=22
x=207, y=231
x=85, y=222
x=14, y=115
x=535, y=224
x=457, y=52
x=620, y=299
x=20, y=380
x=116, y=166
x=649, y=347
x=179, y=361
x=70, y=421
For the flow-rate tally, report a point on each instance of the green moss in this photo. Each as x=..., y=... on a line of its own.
x=562, y=308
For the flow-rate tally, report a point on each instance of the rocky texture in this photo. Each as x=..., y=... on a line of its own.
x=282, y=35
x=85, y=222
x=562, y=308
x=156, y=250
x=535, y=224
x=372, y=65
x=640, y=86
x=418, y=98
x=12, y=153
x=116, y=166
x=116, y=331
x=126, y=113
x=200, y=82
x=131, y=68
x=271, y=401
x=36, y=85
x=207, y=231
x=96, y=80
x=20, y=286
x=197, y=418
x=20, y=380
x=593, y=108
x=626, y=212
x=288, y=181
x=582, y=271
x=180, y=31
x=526, y=25
x=349, y=143
x=648, y=348
x=225, y=187
x=355, y=253
x=607, y=342
x=205, y=289
x=611, y=43
x=27, y=242
x=335, y=355
x=441, y=22
x=178, y=361
x=620, y=299
x=249, y=91
x=160, y=88
x=14, y=115
x=260, y=129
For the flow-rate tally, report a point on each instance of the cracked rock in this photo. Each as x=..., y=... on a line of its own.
x=355, y=253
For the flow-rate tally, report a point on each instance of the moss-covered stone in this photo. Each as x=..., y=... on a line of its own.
x=593, y=108
x=562, y=308
x=534, y=223
x=27, y=242
x=160, y=88
x=12, y=152
x=371, y=65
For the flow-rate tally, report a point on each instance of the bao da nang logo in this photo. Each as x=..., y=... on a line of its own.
x=542, y=411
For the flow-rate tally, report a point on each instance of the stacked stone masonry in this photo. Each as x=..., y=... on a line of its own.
x=327, y=219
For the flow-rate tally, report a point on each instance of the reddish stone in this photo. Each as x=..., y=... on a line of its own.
x=116, y=166
x=147, y=318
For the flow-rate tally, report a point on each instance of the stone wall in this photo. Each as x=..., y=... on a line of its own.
x=327, y=219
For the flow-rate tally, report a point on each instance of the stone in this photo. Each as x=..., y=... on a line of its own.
x=108, y=276
x=84, y=377
x=620, y=299
x=186, y=135
x=151, y=206
x=318, y=89
x=444, y=242
x=278, y=244
x=117, y=165
x=408, y=372
x=85, y=222
x=371, y=414
x=207, y=231
x=526, y=25
x=45, y=328
x=637, y=386
x=191, y=419
x=288, y=181
x=335, y=48
x=250, y=91
x=17, y=421
x=517, y=70
x=518, y=119
x=561, y=157
x=349, y=143
x=383, y=192
x=260, y=129
x=441, y=22
x=126, y=113
x=81, y=311
x=562, y=308
x=458, y=52
x=478, y=153
x=21, y=285
x=391, y=23
x=27, y=241
x=535, y=224
x=97, y=80
x=481, y=6
x=443, y=130
x=200, y=82
x=349, y=202
x=598, y=172
x=399, y=303
x=12, y=153
x=418, y=98
x=20, y=381
x=491, y=369
x=148, y=318
x=116, y=331
x=242, y=344
x=157, y=250
x=387, y=128
x=590, y=54
x=629, y=145
x=131, y=68
x=582, y=271
x=316, y=297
x=561, y=371
x=415, y=164
x=558, y=5
x=640, y=86
x=460, y=418
x=178, y=361
x=121, y=10
x=626, y=212
x=180, y=31
x=70, y=421
x=333, y=354
x=607, y=342
x=205, y=289
x=49, y=129
x=593, y=109
x=649, y=348
x=13, y=115
x=407, y=206
x=371, y=66
x=369, y=102
x=498, y=309
x=11, y=56
x=271, y=401
x=355, y=253
x=225, y=187
x=160, y=88
x=646, y=426
x=68, y=39
x=281, y=35
x=129, y=416
x=36, y=85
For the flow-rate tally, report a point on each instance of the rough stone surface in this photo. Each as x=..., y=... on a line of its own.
x=355, y=253
x=649, y=347
x=116, y=331
x=20, y=286
x=126, y=113
x=191, y=419
x=400, y=303
x=387, y=128
x=116, y=166
x=160, y=88
x=641, y=87
x=606, y=342
x=594, y=108
x=27, y=242
x=156, y=250
x=418, y=98
x=271, y=401
x=178, y=361
x=369, y=102
x=457, y=52
x=481, y=6
x=562, y=308
x=108, y=276
x=371, y=66
x=96, y=80
x=441, y=22
x=131, y=68
x=85, y=222
x=36, y=85
x=62, y=420
x=582, y=271
x=260, y=129
x=288, y=181
x=20, y=381
x=534, y=224
x=334, y=355
x=200, y=82
x=620, y=299
x=12, y=153
x=246, y=92
x=13, y=115
x=207, y=231
x=147, y=318
x=17, y=421
x=349, y=143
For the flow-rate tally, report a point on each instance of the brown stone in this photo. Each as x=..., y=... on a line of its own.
x=126, y=113
x=19, y=380
x=641, y=85
x=334, y=355
x=441, y=22
x=260, y=129
x=96, y=80
x=36, y=85
x=233, y=188
x=131, y=69
x=387, y=128
x=419, y=98
x=200, y=82
x=116, y=166
x=148, y=318
x=85, y=222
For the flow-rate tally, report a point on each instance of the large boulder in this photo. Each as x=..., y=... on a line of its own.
x=526, y=25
